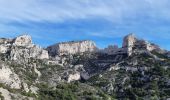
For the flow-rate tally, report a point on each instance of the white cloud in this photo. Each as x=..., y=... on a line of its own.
x=62, y=10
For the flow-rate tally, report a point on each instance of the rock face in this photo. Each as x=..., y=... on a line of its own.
x=5, y=45
x=22, y=48
x=24, y=40
x=130, y=42
x=9, y=78
x=72, y=47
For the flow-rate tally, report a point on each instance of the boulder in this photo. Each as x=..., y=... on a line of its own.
x=73, y=77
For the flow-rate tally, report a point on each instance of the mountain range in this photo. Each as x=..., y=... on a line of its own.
x=79, y=70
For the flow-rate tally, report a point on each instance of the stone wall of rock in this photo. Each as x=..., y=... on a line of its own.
x=72, y=47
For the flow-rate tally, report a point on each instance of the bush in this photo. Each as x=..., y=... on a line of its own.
x=1, y=97
x=28, y=94
x=62, y=92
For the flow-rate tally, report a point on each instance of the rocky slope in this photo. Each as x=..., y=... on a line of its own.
x=138, y=70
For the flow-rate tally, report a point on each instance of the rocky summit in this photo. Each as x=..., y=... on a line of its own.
x=79, y=70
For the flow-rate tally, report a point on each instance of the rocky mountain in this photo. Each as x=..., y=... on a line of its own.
x=78, y=70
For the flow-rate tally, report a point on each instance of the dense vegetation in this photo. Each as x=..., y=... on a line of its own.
x=72, y=91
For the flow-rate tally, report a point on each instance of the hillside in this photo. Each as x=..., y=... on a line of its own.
x=79, y=70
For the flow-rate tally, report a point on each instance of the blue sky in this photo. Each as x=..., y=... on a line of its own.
x=103, y=21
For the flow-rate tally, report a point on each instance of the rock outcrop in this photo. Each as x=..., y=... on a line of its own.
x=22, y=48
x=130, y=42
x=72, y=47
x=24, y=41
x=73, y=77
x=5, y=44
x=9, y=77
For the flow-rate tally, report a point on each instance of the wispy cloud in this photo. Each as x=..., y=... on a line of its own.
x=57, y=10
x=94, y=19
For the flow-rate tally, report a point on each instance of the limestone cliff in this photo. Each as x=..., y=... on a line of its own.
x=72, y=47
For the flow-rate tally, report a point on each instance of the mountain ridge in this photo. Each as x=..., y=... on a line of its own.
x=82, y=71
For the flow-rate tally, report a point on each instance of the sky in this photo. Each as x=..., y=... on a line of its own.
x=104, y=21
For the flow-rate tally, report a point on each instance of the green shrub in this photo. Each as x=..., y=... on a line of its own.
x=28, y=94
x=62, y=92
x=1, y=97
